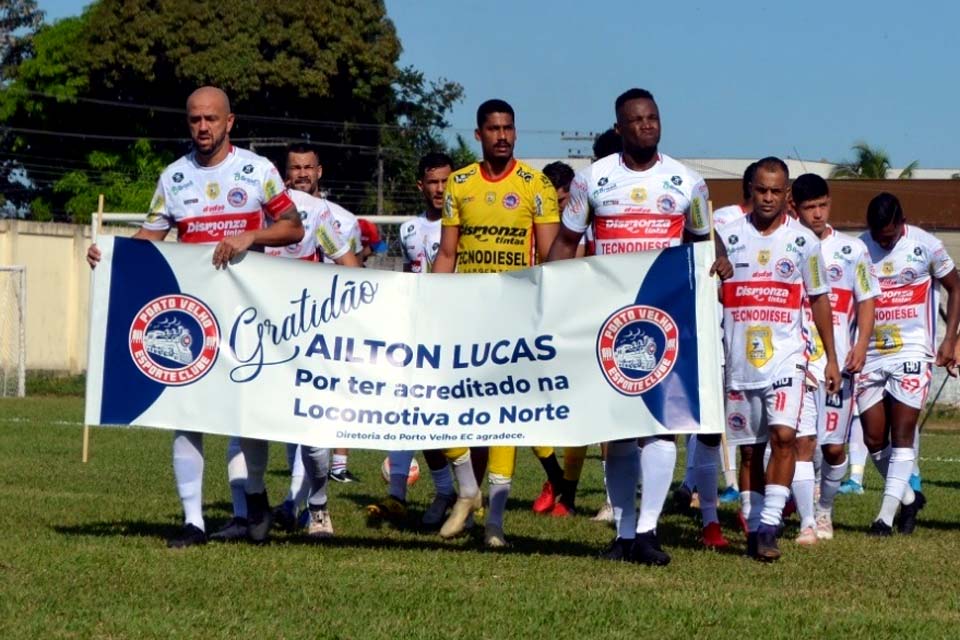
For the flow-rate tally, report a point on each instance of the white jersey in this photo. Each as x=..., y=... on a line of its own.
x=851, y=279
x=726, y=215
x=320, y=235
x=420, y=243
x=208, y=204
x=348, y=226
x=637, y=210
x=763, y=301
x=906, y=311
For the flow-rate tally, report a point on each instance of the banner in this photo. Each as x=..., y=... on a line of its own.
x=569, y=353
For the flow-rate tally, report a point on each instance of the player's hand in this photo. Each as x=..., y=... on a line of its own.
x=947, y=356
x=93, y=256
x=228, y=248
x=856, y=358
x=832, y=377
x=722, y=267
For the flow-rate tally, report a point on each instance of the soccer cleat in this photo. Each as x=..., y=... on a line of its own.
x=713, y=537
x=342, y=476
x=729, y=495
x=434, y=515
x=493, y=537
x=807, y=537
x=545, y=501
x=259, y=517
x=824, y=526
x=456, y=522
x=880, y=529
x=285, y=516
x=190, y=536
x=908, y=514
x=321, y=526
x=682, y=496
x=605, y=514
x=560, y=510
x=618, y=551
x=851, y=486
x=767, y=549
x=646, y=550
x=389, y=508
x=235, y=529
x=916, y=483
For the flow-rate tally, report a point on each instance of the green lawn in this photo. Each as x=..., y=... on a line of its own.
x=84, y=556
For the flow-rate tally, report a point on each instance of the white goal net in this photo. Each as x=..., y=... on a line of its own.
x=13, y=336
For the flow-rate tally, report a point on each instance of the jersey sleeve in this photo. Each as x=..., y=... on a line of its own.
x=330, y=241
x=577, y=212
x=941, y=264
x=158, y=216
x=451, y=203
x=546, y=209
x=698, y=222
x=866, y=285
x=814, y=275
x=274, y=198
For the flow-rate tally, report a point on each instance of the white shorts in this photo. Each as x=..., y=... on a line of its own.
x=827, y=416
x=906, y=382
x=751, y=412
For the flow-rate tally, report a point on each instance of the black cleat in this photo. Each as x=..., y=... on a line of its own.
x=619, y=550
x=259, y=516
x=767, y=549
x=880, y=529
x=285, y=517
x=646, y=550
x=190, y=535
x=235, y=529
x=908, y=514
x=343, y=476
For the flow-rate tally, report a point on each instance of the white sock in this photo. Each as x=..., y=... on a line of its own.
x=751, y=505
x=803, y=483
x=705, y=465
x=443, y=481
x=499, y=487
x=817, y=463
x=188, y=472
x=316, y=466
x=897, y=484
x=603, y=468
x=774, y=498
x=689, y=475
x=299, y=488
x=463, y=470
x=916, y=451
x=830, y=481
x=622, y=471
x=858, y=452
x=881, y=460
x=256, y=453
x=237, y=477
x=659, y=457
x=339, y=463
x=399, y=471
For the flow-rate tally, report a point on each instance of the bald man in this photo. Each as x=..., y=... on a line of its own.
x=218, y=194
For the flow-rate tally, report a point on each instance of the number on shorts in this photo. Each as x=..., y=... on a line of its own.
x=833, y=419
x=910, y=384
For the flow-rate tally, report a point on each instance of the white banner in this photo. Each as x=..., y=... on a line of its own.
x=571, y=353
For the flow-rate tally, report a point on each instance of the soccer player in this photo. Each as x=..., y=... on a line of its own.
x=896, y=377
x=826, y=419
x=498, y=196
x=419, y=243
x=777, y=263
x=725, y=215
x=667, y=204
x=217, y=182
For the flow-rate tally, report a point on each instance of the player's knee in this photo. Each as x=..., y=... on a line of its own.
x=833, y=454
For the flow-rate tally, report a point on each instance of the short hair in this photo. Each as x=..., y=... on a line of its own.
x=559, y=173
x=433, y=160
x=607, y=143
x=748, y=174
x=302, y=147
x=631, y=94
x=772, y=163
x=807, y=187
x=494, y=105
x=883, y=211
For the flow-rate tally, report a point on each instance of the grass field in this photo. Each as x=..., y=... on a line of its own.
x=84, y=556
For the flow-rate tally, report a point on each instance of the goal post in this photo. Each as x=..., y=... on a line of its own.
x=13, y=331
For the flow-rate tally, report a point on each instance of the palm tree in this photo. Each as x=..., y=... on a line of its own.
x=871, y=164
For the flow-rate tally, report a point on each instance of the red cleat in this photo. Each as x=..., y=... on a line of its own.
x=545, y=501
x=713, y=537
x=561, y=510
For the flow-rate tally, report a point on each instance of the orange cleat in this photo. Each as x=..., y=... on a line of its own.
x=561, y=510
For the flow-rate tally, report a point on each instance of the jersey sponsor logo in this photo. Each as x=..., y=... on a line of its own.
x=917, y=251
x=510, y=201
x=887, y=339
x=602, y=182
x=677, y=180
x=526, y=176
x=733, y=240
x=178, y=177
x=447, y=206
x=666, y=204
x=834, y=400
x=912, y=367
x=759, y=345
x=237, y=197
x=863, y=277
x=637, y=348
x=785, y=267
x=174, y=339
x=189, y=201
x=157, y=206
x=846, y=249
x=697, y=214
x=247, y=169
x=737, y=422
x=761, y=294
x=177, y=188
x=638, y=195
x=735, y=395
x=271, y=189
x=814, y=263
x=212, y=190
x=908, y=275
x=835, y=273
x=800, y=241
x=494, y=230
x=629, y=226
x=487, y=261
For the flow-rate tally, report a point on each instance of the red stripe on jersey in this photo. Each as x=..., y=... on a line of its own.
x=215, y=228
x=842, y=301
x=903, y=296
x=778, y=295
x=638, y=225
x=279, y=203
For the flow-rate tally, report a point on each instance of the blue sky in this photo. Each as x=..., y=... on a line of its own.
x=732, y=79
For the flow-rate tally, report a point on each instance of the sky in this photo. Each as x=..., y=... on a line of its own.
x=732, y=79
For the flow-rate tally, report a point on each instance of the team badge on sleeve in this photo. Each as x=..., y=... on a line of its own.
x=174, y=339
x=637, y=348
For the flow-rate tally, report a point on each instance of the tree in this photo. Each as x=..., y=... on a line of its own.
x=871, y=163
x=323, y=70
